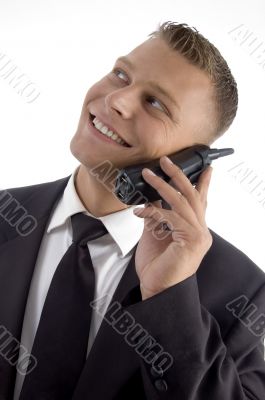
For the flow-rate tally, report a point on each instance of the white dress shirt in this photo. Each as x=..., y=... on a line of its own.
x=110, y=255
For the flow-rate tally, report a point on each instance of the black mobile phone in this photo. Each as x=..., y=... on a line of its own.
x=132, y=189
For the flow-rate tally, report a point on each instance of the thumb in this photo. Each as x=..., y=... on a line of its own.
x=156, y=203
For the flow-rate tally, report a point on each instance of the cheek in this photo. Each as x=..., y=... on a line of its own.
x=97, y=90
x=154, y=138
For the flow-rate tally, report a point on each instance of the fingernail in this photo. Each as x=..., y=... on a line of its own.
x=149, y=171
x=168, y=160
x=137, y=211
x=148, y=205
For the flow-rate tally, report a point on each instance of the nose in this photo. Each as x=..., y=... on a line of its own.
x=122, y=102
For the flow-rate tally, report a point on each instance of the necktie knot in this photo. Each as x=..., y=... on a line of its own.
x=86, y=228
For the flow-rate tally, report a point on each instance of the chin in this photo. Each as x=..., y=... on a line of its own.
x=87, y=157
x=74, y=146
x=78, y=150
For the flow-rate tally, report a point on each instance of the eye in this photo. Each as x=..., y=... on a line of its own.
x=117, y=70
x=153, y=99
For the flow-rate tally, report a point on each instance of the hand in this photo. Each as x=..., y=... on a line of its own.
x=165, y=258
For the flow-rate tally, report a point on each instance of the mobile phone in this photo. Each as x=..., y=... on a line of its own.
x=132, y=189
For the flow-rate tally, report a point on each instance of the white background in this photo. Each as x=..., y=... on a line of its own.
x=66, y=46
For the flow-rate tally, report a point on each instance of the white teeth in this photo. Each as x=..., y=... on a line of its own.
x=103, y=129
x=99, y=124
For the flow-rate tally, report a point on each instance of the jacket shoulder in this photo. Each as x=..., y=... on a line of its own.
x=32, y=201
x=226, y=273
x=229, y=257
x=23, y=192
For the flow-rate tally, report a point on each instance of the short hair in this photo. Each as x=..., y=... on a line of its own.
x=188, y=42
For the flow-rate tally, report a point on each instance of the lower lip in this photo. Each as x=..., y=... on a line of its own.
x=102, y=136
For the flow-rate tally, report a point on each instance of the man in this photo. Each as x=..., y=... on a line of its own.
x=174, y=317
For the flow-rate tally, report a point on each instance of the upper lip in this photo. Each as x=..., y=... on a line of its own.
x=108, y=126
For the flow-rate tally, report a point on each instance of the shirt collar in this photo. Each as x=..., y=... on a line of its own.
x=124, y=227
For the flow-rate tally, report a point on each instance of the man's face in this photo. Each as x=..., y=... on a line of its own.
x=153, y=124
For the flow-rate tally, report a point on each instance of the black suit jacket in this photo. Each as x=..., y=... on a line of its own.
x=216, y=346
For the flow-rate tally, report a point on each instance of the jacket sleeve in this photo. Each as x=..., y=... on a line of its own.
x=193, y=361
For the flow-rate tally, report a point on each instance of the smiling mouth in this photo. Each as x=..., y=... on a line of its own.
x=122, y=143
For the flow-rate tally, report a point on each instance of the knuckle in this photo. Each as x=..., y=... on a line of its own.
x=195, y=194
x=156, y=213
x=159, y=184
x=204, y=238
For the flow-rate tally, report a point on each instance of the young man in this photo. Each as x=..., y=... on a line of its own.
x=175, y=317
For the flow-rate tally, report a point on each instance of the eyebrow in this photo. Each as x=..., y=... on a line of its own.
x=153, y=84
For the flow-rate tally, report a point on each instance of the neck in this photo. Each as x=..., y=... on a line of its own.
x=97, y=196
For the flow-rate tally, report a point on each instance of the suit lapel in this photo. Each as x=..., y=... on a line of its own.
x=18, y=255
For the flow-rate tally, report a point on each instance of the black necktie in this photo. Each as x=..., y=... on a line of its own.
x=61, y=340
